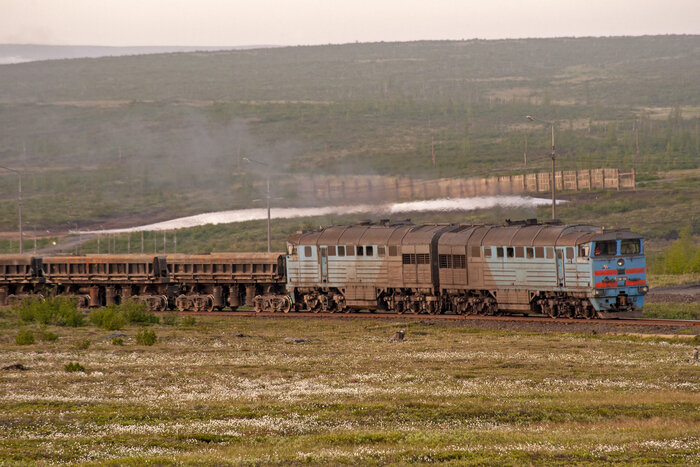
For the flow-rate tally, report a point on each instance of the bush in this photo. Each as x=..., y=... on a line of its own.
x=82, y=344
x=25, y=337
x=682, y=256
x=114, y=317
x=146, y=337
x=108, y=318
x=73, y=366
x=49, y=336
x=58, y=311
x=117, y=341
x=136, y=312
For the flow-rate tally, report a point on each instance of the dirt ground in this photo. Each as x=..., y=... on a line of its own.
x=684, y=293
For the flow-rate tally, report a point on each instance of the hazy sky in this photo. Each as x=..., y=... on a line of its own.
x=291, y=22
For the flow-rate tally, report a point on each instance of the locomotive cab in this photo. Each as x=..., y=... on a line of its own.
x=618, y=274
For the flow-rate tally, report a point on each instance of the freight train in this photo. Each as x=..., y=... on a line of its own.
x=521, y=267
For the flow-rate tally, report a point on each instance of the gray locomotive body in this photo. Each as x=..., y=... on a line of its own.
x=522, y=267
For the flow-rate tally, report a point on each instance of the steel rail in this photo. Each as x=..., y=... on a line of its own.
x=413, y=316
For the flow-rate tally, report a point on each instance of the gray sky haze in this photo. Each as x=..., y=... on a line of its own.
x=301, y=22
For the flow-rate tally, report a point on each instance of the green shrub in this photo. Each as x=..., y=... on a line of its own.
x=108, y=318
x=25, y=337
x=114, y=317
x=58, y=311
x=73, y=366
x=49, y=336
x=82, y=344
x=146, y=337
x=170, y=320
x=117, y=341
x=136, y=312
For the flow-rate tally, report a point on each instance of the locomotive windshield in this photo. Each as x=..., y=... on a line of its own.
x=630, y=247
x=607, y=248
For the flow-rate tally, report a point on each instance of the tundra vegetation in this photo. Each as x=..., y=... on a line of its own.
x=241, y=391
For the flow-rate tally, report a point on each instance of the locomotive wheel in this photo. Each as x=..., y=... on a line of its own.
x=313, y=304
x=325, y=305
x=433, y=308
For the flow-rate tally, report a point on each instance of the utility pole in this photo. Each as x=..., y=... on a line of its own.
x=267, y=196
x=269, y=232
x=554, y=180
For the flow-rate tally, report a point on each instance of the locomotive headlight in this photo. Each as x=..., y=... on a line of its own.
x=620, y=262
x=644, y=289
x=599, y=293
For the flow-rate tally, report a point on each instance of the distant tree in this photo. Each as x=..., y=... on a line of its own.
x=680, y=256
x=695, y=262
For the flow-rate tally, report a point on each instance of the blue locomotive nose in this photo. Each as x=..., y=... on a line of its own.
x=618, y=276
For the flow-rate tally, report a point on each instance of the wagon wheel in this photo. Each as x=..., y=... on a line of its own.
x=207, y=304
x=182, y=302
x=286, y=304
x=161, y=303
x=258, y=303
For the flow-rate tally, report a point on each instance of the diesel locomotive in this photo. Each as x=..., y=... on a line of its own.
x=522, y=267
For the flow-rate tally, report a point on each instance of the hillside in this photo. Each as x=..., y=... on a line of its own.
x=160, y=136
x=21, y=53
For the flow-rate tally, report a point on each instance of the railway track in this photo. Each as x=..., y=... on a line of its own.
x=424, y=317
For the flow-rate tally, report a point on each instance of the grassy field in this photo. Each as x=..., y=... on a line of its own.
x=241, y=391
